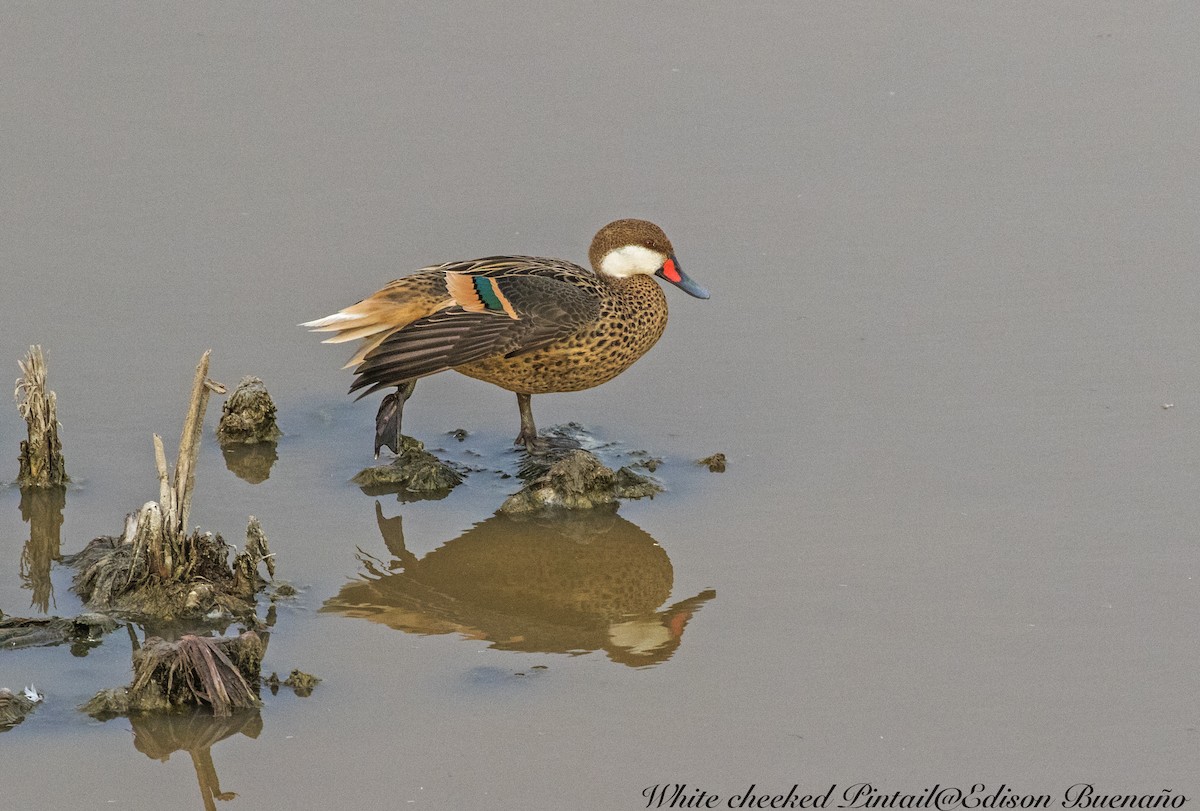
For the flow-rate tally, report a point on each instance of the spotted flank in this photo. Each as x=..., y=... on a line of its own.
x=478, y=294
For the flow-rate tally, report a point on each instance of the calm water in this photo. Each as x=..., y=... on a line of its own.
x=952, y=249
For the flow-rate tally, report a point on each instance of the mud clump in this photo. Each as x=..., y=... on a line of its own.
x=415, y=472
x=220, y=673
x=302, y=683
x=714, y=463
x=248, y=416
x=574, y=480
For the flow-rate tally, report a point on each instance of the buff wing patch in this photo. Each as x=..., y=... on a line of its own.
x=478, y=294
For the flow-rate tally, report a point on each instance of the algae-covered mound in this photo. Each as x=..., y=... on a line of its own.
x=221, y=673
x=714, y=463
x=415, y=471
x=574, y=480
x=248, y=416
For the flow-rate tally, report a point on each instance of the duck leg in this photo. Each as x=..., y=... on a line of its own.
x=387, y=419
x=528, y=436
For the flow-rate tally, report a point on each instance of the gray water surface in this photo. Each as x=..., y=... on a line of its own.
x=950, y=355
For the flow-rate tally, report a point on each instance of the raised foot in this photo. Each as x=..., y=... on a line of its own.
x=389, y=417
x=387, y=424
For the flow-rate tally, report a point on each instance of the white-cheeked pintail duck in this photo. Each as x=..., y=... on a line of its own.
x=527, y=324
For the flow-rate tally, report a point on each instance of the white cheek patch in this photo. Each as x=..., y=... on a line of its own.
x=631, y=259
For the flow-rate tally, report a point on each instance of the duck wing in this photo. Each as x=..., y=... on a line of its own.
x=503, y=306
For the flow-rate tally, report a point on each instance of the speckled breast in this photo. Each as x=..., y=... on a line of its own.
x=632, y=318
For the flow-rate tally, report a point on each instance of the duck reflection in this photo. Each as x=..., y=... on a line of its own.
x=160, y=735
x=41, y=508
x=570, y=583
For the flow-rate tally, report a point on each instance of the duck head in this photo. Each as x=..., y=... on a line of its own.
x=626, y=247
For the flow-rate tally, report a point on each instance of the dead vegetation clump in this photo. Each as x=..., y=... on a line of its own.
x=134, y=576
x=156, y=568
x=221, y=673
x=41, y=459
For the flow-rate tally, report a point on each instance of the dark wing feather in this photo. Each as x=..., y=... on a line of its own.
x=551, y=308
x=441, y=341
x=548, y=307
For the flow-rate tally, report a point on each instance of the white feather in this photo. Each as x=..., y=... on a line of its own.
x=336, y=318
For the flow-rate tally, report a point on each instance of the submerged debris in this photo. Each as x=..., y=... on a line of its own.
x=651, y=463
x=42, y=462
x=37, y=632
x=248, y=416
x=222, y=673
x=155, y=568
x=714, y=463
x=302, y=683
x=15, y=706
x=414, y=471
x=574, y=480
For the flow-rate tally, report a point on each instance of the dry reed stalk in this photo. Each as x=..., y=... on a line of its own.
x=162, y=527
